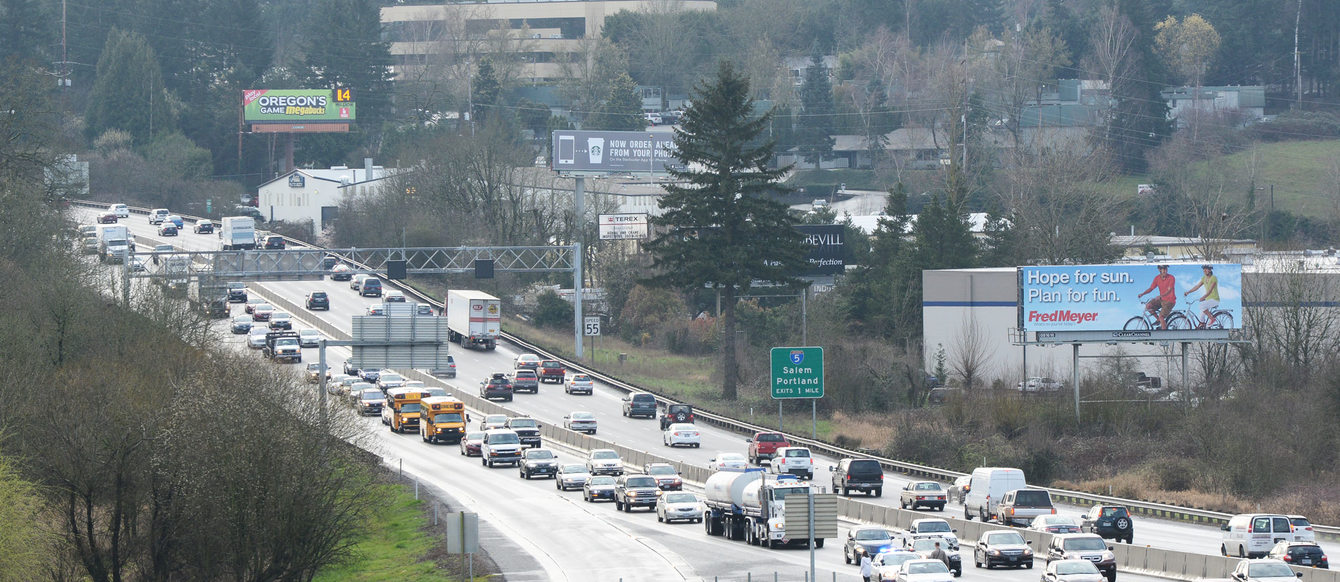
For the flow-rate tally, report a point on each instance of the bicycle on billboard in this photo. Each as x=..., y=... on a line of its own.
x=1185, y=318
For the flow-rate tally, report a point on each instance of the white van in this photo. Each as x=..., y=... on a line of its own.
x=988, y=485
x=158, y=215
x=1252, y=535
x=120, y=210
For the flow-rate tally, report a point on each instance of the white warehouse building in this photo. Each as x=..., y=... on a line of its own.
x=314, y=196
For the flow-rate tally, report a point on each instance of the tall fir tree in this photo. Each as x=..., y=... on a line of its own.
x=719, y=228
x=344, y=48
x=129, y=94
x=815, y=133
x=485, y=94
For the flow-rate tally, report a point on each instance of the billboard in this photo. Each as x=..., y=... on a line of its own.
x=615, y=152
x=297, y=105
x=623, y=226
x=1148, y=299
x=825, y=256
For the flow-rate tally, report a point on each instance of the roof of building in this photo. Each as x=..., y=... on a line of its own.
x=336, y=174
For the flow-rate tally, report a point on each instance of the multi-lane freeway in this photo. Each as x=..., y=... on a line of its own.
x=539, y=533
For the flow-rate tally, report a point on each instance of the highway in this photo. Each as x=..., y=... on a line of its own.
x=572, y=540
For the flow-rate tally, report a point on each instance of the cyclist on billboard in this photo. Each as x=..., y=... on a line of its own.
x=1210, y=300
x=1163, y=303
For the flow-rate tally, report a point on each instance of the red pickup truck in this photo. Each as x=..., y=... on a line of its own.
x=552, y=370
x=764, y=445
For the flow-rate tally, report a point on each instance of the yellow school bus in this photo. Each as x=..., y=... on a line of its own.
x=401, y=412
x=443, y=420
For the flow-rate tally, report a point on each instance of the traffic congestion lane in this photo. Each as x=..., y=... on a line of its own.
x=551, y=404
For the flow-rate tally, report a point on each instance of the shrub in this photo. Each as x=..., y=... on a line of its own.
x=551, y=310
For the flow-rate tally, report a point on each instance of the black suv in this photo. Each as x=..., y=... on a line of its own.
x=496, y=386
x=525, y=379
x=237, y=292
x=1109, y=521
x=636, y=490
x=639, y=404
x=1300, y=554
x=858, y=475
x=526, y=429
x=676, y=413
x=318, y=300
x=274, y=242
x=541, y=462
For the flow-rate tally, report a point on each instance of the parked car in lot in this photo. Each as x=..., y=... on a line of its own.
x=598, y=487
x=1300, y=554
x=1002, y=548
x=571, y=476
x=681, y=434
x=1072, y=571
x=667, y=477
x=318, y=300
x=204, y=226
x=604, y=462
x=922, y=494
x=580, y=421
x=679, y=506
x=579, y=384
x=724, y=461
x=1055, y=524
x=1109, y=521
x=1089, y=547
x=1264, y=571
x=858, y=475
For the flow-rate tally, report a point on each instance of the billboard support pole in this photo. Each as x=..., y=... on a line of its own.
x=1074, y=367
x=579, y=192
x=1186, y=387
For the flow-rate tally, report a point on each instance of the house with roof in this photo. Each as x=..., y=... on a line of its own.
x=314, y=195
x=1247, y=100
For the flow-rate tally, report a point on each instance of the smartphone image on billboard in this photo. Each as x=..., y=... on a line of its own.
x=567, y=150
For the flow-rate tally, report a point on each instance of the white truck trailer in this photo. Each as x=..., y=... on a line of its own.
x=474, y=318
x=238, y=233
x=751, y=506
x=113, y=243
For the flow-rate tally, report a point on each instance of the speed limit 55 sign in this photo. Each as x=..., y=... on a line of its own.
x=591, y=325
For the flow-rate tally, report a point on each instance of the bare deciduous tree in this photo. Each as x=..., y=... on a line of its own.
x=969, y=355
x=1293, y=334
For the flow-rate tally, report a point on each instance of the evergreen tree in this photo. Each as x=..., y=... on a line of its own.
x=485, y=93
x=129, y=94
x=344, y=48
x=621, y=109
x=942, y=236
x=878, y=297
x=26, y=31
x=816, y=124
x=718, y=227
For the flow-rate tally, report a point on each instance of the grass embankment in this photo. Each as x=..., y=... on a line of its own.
x=399, y=546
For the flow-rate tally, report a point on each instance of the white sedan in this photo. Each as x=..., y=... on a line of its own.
x=681, y=434
x=924, y=570
x=679, y=505
x=728, y=462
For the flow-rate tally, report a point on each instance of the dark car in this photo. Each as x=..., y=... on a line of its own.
x=636, y=491
x=371, y=287
x=667, y=477
x=858, y=475
x=1300, y=554
x=541, y=462
x=525, y=380
x=496, y=386
x=1109, y=521
x=639, y=404
x=204, y=227
x=237, y=292
x=107, y=218
x=318, y=300
x=274, y=242
x=527, y=430
x=167, y=229
x=676, y=414
x=1081, y=546
x=866, y=540
x=1002, y=548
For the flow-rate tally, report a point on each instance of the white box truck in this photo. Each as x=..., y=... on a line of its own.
x=474, y=318
x=113, y=243
x=238, y=233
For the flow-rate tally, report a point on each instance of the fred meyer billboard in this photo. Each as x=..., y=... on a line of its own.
x=1082, y=298
x=615, y=152
x=297, y=105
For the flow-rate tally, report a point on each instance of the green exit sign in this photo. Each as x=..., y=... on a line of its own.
x=797, y=372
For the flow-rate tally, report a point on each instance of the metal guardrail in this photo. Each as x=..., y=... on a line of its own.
x=1148, y=508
